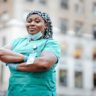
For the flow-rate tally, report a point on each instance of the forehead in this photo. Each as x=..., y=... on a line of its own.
x=35, y=16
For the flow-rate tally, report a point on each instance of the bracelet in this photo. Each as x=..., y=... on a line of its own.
x=30, y=61
x=25, y=58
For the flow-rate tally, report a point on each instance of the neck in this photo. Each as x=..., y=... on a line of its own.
x=35, y=36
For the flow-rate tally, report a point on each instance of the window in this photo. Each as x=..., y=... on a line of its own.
x=1, y=65
x=94, y=31
x=64, y=4
x=5, y=17
x=5, y=0
x=63, y=77
x=1, y=73
x=78, y=28
x=94, y=8
x=29, y=0
x=94, y=54
x=94, y=80
x=43, y=2
x=64, y=48
x=77, y=52
x=64, y=25
x=79, y=7
x=78, y=80
x=3, y=41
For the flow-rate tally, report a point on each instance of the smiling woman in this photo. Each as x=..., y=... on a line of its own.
x=32, y=59
x=35, y=24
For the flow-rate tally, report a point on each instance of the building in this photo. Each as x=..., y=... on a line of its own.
x=75, y=21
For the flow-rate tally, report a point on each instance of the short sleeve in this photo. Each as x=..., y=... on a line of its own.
x=12, y=44
x=54, y=47
x=15, y=42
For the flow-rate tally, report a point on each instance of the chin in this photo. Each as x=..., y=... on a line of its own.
x=30, y=32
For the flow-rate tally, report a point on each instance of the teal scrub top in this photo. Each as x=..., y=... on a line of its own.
x=33, y=83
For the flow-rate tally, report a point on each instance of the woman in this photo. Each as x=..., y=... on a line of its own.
x=32, y=59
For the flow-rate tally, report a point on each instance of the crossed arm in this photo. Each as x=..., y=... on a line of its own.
x=42, y=63
x=7, y=55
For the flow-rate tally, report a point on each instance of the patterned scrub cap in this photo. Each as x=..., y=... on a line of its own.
x=48, y=32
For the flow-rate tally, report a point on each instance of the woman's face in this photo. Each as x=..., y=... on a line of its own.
x=35, y=24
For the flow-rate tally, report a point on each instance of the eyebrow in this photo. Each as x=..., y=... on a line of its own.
x=34, y=18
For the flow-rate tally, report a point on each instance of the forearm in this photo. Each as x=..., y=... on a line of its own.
x=9, y=59
x=38, y=66
x=34, y=68
x=10, y=56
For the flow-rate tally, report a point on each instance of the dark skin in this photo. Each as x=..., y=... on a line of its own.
x=34, y=24
x=7, y=55
x=43, y=63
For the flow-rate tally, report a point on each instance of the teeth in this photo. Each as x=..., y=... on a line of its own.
x=30, y=27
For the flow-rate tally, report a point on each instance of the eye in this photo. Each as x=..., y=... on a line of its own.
x=29, y=20
x=37, y=21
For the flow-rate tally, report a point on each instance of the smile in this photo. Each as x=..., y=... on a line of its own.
x=31, y=29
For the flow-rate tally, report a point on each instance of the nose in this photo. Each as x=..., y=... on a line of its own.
x=31, y=24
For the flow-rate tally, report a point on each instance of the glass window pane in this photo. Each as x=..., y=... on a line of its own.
x=5, y=0
x=78, y=28
x=94, y=8
x=94, y=31
x=79, y=7
x=43, y=2
x=78, y=80
x=64, y=25
x=64, y=48
x=29, y=0
x=3, y=41
x=78, y=51
x=64, y=4
x=94, y=54
x=1, y=73
x=63, y=77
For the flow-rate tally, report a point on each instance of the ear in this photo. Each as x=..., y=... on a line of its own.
x=46, y=25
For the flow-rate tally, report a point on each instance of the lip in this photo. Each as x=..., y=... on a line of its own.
x=31, y=28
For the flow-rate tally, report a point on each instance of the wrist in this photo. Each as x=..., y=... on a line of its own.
x=25, y=58
x=30, y=61
x=13, y=66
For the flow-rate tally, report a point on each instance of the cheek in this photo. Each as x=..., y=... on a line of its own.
x=26, y=25
x=41, y=27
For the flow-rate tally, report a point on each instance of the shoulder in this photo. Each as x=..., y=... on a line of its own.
x=53, y=46
x=53, y=42
x=20, y=38
x=17, y=41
